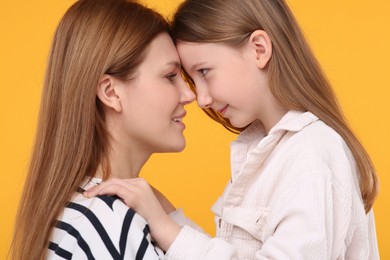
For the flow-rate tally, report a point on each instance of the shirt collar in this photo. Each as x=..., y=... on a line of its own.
x=293, y=121
x=253, y=146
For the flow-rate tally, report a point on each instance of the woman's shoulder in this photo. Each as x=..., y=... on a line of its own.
x=109, y=212
x=96, y=226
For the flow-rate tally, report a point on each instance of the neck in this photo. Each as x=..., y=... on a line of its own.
x=273, y=115
x=126, y=156
x=125, y=163
x=273, y=119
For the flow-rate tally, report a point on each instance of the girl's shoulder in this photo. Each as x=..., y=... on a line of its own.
x=317, y=147
x=319, y=137
x=307, y=131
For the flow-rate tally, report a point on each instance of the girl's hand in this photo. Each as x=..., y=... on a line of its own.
x=138, y=195
x=135, y=193
x=165, y=203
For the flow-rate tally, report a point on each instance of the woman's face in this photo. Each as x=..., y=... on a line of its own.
x=153, y=102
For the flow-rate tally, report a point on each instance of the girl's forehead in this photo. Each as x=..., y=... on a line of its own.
x=197, y=47
x=195, y=50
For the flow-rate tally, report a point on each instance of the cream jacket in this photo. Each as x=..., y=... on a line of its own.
x=294, y=194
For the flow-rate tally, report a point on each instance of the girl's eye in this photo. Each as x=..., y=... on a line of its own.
x=171, y=76
x=203, y=72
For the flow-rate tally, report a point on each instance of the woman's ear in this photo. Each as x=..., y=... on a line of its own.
x=262, y=46
x=107, y=93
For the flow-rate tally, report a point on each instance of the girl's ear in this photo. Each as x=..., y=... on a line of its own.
x=262, y=46
x=107, y=93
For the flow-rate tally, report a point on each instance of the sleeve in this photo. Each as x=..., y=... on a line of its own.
x=374, y=251
x=192, y=244
x=179, y=217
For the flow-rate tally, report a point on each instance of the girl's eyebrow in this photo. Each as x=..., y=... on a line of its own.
x=199, y=64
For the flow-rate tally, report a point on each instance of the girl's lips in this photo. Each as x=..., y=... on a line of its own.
x=223, y=110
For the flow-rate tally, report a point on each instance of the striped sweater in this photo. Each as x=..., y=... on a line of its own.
x=101, y=228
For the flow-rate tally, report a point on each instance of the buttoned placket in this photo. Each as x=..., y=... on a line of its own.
x=236, y=190
x=245, y=161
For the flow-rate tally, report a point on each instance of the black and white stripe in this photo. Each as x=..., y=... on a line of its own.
x=101, y=228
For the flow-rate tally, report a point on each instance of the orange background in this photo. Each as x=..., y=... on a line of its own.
x=351, y=38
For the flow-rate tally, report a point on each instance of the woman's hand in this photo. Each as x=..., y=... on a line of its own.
x=138, y=195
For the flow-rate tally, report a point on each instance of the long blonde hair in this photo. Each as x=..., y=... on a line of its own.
x=95, y=37
x=295, y=76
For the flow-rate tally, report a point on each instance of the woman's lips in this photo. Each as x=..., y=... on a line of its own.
x=179, y=119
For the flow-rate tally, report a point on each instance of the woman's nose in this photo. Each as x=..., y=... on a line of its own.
x=187, y=96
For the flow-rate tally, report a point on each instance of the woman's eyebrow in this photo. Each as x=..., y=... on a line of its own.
x=174, y=63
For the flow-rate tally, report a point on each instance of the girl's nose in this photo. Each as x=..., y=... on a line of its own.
x=203, y=97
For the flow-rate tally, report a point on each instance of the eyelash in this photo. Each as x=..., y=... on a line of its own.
x=171, y=76
x=201, y=71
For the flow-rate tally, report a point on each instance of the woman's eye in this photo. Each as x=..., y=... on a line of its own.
x=171, y=76
x=203, y=72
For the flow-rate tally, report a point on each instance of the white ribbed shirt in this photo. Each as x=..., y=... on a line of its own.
x=294, y=194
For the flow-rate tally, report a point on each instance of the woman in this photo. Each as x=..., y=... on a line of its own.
x=111, y=99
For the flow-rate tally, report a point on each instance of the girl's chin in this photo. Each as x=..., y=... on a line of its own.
x=239, y=124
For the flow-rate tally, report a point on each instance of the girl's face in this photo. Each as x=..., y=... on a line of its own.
x=153, y=102
x=228, y=80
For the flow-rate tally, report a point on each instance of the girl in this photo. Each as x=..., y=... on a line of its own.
x=302, y=186
x=111, y=98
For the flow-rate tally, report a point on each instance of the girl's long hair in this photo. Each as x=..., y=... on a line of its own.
x=295, y=76
x=95, y=37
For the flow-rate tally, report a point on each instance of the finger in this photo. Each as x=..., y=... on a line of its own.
x=141, y=183
x=93, y=191
x=96, y=188
x=130, y=196
x=106, y=188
